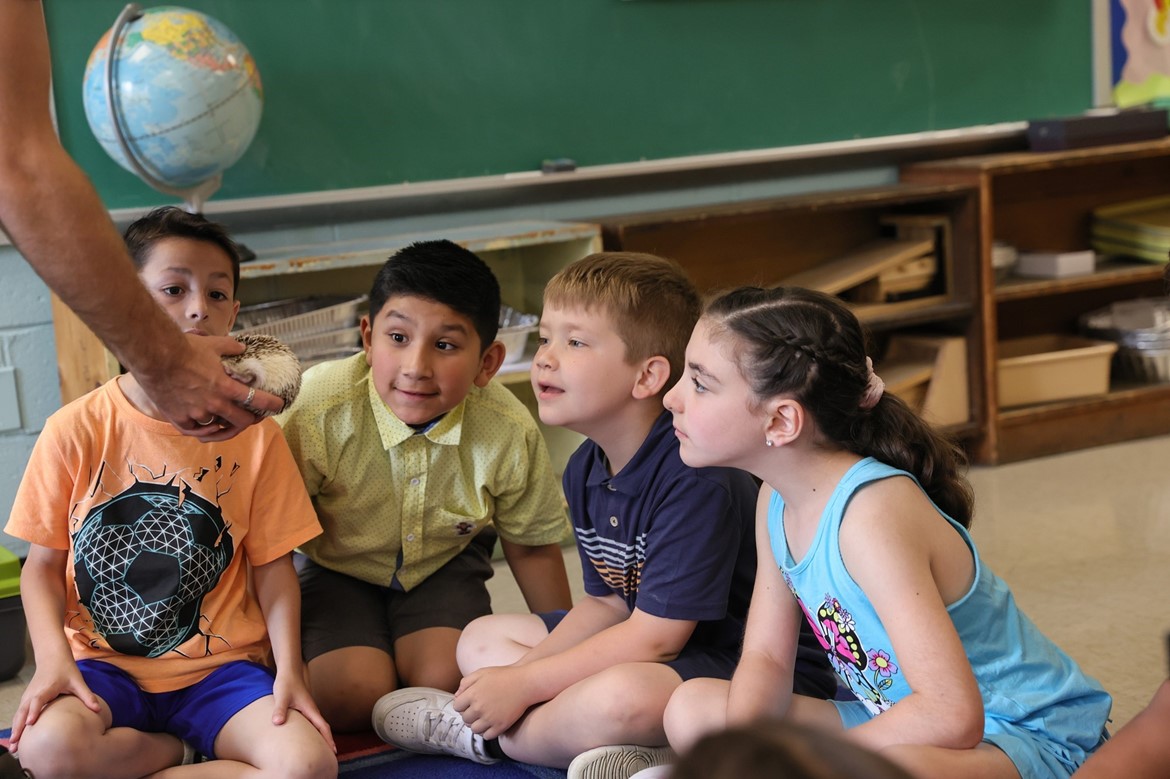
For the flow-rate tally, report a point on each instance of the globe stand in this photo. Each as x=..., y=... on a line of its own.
x=194, y=197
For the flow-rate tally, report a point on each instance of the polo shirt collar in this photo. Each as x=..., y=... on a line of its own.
x=448, y=431
x=640, y=471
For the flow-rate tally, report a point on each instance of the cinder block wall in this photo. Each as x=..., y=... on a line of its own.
x=27, y=346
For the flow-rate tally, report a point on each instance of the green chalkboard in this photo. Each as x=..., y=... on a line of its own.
x=373, y=92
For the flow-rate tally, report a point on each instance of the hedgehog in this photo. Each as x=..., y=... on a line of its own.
x=266, y=364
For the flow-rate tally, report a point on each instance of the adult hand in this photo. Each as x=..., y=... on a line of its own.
x=195, y=393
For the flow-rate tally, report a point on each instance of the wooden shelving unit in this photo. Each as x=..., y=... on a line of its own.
x=523, y=255
x=1044, y=201
x=762, y=242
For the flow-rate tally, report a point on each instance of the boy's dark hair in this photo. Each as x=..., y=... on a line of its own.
x=652, y=303
x=808, y=346
x=173, y=222
x=443, y=272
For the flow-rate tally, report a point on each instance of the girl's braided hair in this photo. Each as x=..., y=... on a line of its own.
x=806, y=345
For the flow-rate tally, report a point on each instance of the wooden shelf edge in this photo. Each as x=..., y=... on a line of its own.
x=369, y=252
x=1023, y=161
x=1112, y=275
x=1118, y=397
x=1124, y=415
x=891, y=315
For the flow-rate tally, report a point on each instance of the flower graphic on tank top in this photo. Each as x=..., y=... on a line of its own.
x=868, y=673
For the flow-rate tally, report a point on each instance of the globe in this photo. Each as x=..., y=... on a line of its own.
x=187, y=97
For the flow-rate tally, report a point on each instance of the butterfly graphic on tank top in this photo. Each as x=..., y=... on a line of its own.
x=836, y=632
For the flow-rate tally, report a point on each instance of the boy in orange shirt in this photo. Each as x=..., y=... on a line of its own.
x=150, y=640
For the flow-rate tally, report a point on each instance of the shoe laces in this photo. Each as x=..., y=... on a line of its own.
x=448, y=730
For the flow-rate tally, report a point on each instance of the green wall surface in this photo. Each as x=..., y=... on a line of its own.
x=371, y=92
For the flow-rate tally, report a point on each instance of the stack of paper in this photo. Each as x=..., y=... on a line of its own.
x=1138, y=229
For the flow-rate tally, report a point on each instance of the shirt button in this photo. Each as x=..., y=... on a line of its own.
x=613, y=521
x=414, y=481
x=611, y=488
x=410, y=537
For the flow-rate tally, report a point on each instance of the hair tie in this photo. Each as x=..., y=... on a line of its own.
x=874, y=387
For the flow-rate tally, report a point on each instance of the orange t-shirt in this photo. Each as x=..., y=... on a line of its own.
x=161, y=531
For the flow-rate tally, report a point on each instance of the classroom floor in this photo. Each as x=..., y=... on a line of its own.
x=1082, y=538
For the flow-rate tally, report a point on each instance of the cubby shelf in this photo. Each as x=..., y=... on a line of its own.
x=1045, y=201
x=763, y=242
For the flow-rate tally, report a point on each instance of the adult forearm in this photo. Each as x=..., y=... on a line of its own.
x=56, y=220
x=53, y=214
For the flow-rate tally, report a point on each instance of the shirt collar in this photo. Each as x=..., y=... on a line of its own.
x=448, y=431
x=636, y=476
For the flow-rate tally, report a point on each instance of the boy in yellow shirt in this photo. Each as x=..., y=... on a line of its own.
x=415, y=460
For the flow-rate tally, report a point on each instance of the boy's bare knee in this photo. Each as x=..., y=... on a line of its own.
x=696, y=708
x=41, y=753
x=315, y=762
x=474, y=643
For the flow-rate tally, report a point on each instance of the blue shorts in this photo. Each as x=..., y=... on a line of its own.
x=196, y=714
x=692, y=662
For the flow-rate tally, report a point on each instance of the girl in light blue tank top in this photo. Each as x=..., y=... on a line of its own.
x=862, y=531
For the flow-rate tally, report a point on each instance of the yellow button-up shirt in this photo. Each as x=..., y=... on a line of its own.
x=398, y=505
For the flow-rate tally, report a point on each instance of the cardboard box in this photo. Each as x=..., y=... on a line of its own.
x=12, y=629
x=929, y=373
x=1056, y=265
x=1047, y=368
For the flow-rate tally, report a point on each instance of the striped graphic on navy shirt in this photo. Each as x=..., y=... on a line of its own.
x=618, y=564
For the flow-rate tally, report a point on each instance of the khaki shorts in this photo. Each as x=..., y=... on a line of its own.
x=339, y=611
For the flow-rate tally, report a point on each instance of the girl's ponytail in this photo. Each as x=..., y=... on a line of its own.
x=809, y=346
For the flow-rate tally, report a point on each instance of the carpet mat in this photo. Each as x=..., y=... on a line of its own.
x=363, y=756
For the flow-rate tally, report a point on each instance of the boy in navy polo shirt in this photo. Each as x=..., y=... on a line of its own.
x=667, y=552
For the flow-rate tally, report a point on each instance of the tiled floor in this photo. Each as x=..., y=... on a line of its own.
x=1083, y=539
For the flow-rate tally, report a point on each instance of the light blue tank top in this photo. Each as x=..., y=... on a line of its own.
x=1025, y=679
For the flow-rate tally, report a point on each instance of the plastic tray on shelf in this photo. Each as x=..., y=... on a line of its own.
x=325, y=341
x=1141, y=328
x=300, y=317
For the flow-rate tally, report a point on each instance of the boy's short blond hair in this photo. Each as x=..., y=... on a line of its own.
x=653, y=304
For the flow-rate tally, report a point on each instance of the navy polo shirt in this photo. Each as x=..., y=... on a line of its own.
x=674, y=541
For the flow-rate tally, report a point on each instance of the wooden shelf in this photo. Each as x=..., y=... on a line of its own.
x=1109, y=274
x=833, y=240
x=1124, y=414
x=1045, y=201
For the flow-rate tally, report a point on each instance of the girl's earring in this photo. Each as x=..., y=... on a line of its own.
x=767, y=442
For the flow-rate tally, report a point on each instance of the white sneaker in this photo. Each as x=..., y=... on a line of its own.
x=421, y=719
x=657, y=772
x=621, y=761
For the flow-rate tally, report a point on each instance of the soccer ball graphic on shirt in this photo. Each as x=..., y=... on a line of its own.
x=143, y=562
